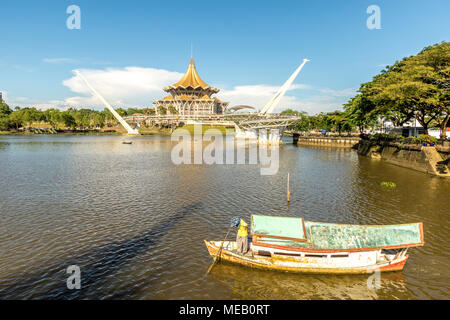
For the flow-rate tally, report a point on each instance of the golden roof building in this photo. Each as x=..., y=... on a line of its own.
x=190, y=96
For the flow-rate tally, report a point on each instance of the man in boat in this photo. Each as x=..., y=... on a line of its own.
x=242, y=238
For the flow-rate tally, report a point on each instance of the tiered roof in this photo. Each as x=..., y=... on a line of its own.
x=190, y=91
x=191, y=79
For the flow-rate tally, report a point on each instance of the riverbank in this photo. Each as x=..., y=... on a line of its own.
x=155, y=131
x=190, y=128
x=162, y=131
x=64, y=132
x=222, y=129
x=428, y=159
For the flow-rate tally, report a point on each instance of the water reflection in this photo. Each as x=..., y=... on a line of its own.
x=277, y=285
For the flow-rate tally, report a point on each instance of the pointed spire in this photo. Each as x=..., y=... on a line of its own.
x=191, y=78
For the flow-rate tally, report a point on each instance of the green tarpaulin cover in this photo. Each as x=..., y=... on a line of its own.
x=279, y=227
x=334, y=236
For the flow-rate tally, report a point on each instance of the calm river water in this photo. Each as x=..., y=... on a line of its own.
x=134, y=222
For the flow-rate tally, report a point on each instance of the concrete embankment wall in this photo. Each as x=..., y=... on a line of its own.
x=343, y=142
x=424, y=159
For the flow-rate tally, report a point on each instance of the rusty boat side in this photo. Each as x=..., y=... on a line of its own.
x=303, y=262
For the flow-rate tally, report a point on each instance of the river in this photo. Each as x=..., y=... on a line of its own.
x=135, y=223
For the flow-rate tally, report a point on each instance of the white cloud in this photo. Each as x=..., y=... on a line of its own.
x=321, y=100
x=130, y=86
x=258, y=95
x=30, y=103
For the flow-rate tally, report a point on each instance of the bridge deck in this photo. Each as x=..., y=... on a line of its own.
x=245, y=121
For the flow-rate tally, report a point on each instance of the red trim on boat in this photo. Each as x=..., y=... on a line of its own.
x=274, y=246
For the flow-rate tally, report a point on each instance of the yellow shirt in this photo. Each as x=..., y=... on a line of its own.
x=243, y=232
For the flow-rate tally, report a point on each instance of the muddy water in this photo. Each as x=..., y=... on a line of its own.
x=134, y=222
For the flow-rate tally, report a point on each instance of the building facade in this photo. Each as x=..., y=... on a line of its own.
x=190, y=96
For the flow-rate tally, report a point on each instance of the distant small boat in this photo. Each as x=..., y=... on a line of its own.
x=127, y=142
x=295, y=245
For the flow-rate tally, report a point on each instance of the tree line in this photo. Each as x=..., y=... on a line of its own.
x=417, y=87
x=67, y=119
x=335, y=121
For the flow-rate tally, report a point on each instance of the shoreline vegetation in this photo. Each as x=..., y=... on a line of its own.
x=162, y=131
x=28, y=121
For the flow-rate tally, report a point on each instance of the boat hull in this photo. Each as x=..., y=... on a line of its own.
x=301, y=264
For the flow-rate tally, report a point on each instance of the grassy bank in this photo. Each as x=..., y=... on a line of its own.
x=222, y=129
x=190, y=128
x=155, y=131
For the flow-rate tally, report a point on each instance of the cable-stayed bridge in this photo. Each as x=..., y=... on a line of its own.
x=247, y=125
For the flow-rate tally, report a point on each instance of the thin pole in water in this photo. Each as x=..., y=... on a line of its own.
x=288, y=190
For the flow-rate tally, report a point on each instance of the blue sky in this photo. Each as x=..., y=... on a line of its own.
x=129, y=49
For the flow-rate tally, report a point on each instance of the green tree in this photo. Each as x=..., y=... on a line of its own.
x=290, y=112
x=359, y=110
x=16, y=119
x=4, y=109
x=99, y=120
x=304, y=124
x=110, y=120
x=67, y=119
x=416, y=87
x=5, y=124
x=162, y=110
x=148, y=111
x=131, y=111
x=172, y=110
x=30, y=115
x=122, y=112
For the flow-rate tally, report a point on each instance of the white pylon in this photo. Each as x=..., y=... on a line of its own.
x=272, y=104
x=108, y=106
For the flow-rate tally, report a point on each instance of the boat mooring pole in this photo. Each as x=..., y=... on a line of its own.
x=218, y=251
x=288, y=190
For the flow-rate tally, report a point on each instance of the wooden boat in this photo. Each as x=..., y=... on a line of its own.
x=127, y=142
x=295, y=245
